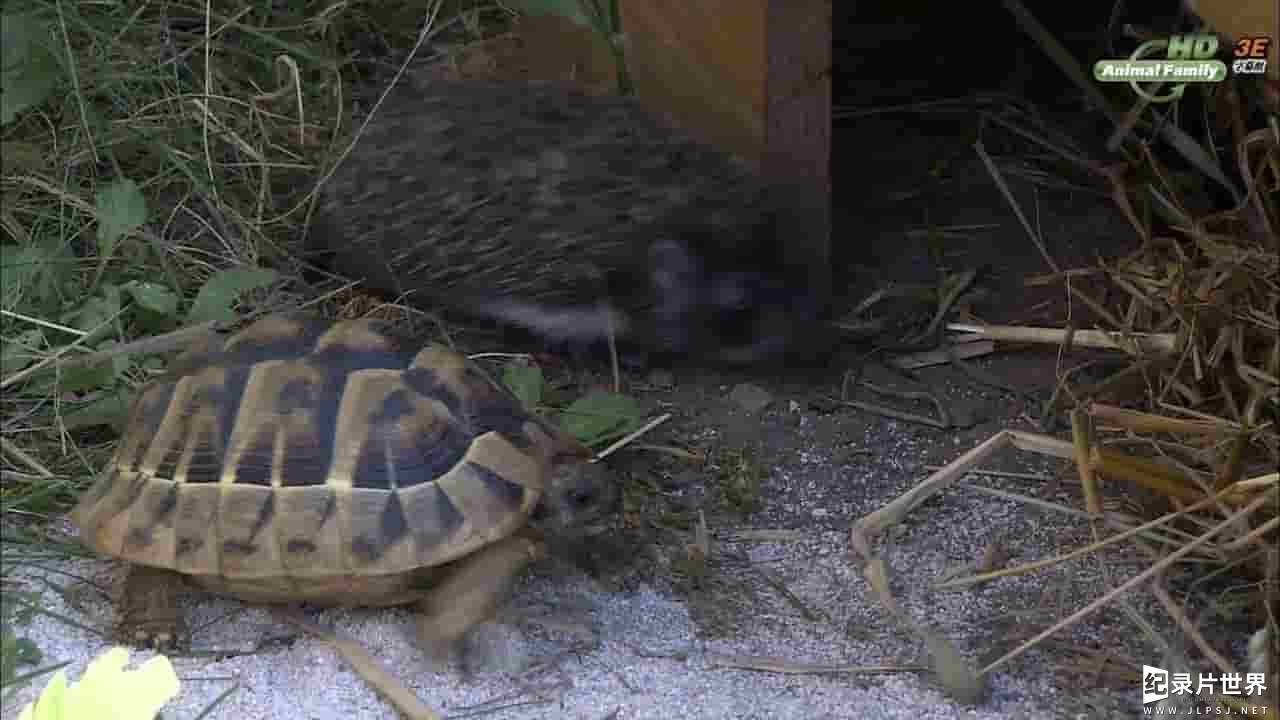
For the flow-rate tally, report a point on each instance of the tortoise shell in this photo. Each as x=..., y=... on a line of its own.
x=306, y=461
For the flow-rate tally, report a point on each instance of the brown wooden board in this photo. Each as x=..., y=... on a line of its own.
x=750, y=76
x=1238, y=19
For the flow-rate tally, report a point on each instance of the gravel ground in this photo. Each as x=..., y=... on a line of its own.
x=648, y=664
x=586, y=649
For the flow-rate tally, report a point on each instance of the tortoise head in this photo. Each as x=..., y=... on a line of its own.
x=581, y=500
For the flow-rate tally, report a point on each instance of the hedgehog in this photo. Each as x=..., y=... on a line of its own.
x=574, y=215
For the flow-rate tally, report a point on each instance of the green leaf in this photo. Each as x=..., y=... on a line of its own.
x=525, y=382
x=121, y=209
x=109, y=408
x=8, y=655
x=15, y=651
x=96, y=313
x=27, y=652
x=600, y=414
x=83, y=378
x=28, y=68
x=32, y=277
x=219, y=295
x=112, y=297
x=23, y=613
x=153, y=296
x=569, y=9
x=100, y=375
x=20, y=270
x=22, y=158
x=20, y=352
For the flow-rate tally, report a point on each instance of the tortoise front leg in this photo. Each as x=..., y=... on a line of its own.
x=147, y=615
x=470, y=594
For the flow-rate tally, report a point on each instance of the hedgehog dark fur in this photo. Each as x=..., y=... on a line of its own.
x=533, y=203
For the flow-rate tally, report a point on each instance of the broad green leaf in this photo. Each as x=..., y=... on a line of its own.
x=121, y=209
x=28, y=69
x=109, y=408
x=96, y=313
x=112, y=297
x=525, y=382
x=23, y=613
x=153, y=296
x=600, y=414
x=33, y=277
x=220, y=293
x=28, y=652
x=22, y=158
x=83, y=378
x=8, y=655
x=19, y=352
x=569, y=9
x=100, y=375
x=20, y=271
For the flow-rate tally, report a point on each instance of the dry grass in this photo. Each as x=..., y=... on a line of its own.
x=1188, y=424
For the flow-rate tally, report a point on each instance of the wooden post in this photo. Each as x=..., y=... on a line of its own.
x=751, y=76
x=1238, y=19
x=797, y=143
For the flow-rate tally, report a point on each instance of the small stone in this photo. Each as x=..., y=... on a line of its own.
x=555, y=160
x=821, y=513
x=823, y=405
x=633, y=362
x=660, y=378
x=751, y=398
x=679, y=480
x=497, y=647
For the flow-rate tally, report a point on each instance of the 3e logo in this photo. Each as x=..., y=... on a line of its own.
x=1251, y=47
x=1250, y=55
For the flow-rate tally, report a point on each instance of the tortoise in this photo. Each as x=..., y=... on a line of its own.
x=302, y=461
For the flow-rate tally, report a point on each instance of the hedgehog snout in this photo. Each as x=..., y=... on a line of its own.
x=759, y=315
x=739, y=315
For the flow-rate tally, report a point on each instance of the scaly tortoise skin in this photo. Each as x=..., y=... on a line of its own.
x=302, y=461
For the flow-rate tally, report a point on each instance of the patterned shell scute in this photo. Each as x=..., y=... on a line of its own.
x=309, y=450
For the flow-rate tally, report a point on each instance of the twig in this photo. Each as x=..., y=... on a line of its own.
x=1017, y=209
x=1092, y=547
x=1161, y=343
x=373, y=671
x=1129, y=584
x=84, y=338
x=764, y=663
x=17, y=453
x=1188, y=627
x=632, y=436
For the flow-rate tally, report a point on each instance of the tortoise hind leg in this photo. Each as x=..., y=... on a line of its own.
x=148, y=611
x=470, y=595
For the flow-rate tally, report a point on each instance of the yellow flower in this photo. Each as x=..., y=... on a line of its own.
x=106, y=691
